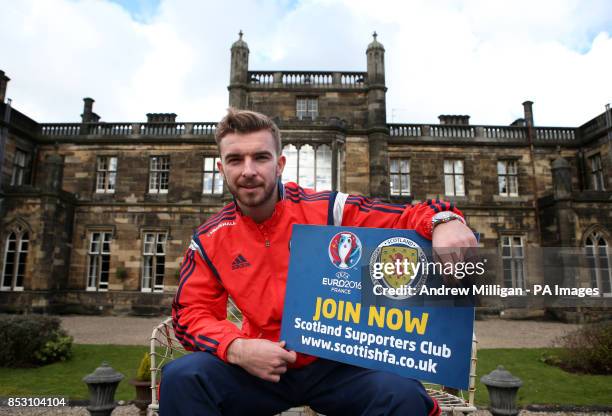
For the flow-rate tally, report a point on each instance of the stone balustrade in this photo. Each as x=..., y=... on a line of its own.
x=353, y=79
x=405, y=130
x=557, y=134
x=162, y=129
x=504, y=132
x=452, y=131
x=111, y=129
x=127, y=129
x=597, y=125
x=542, y=135
x=60, y=129
x=315, y=79
x=204, y=129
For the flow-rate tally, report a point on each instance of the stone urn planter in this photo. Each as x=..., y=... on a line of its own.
x=143, y=394
x=142, y=385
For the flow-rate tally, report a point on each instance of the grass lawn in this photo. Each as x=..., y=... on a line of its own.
x=65, y=378
x=542, y=384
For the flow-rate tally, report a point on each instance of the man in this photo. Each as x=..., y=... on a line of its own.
x=243, y=252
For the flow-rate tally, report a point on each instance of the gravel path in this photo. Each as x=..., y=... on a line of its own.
x=133, y=411
x=492, y=333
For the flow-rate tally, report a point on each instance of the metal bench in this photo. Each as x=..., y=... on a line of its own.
x=165, y=347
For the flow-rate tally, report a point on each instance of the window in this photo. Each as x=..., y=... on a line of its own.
x=106, y=174
x=15, y=256
x=507, y=176
x=400, y=176
x=598, y=263
x=453, y=178
x=308, y=167
x=20, y=168
x=597, y=178
x=212, y=180
x=513, y=261
x=154, y=261
x=159, y=172
x=307, y=108
x=98, y=260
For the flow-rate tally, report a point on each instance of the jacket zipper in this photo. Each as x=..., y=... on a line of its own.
x=265, y=235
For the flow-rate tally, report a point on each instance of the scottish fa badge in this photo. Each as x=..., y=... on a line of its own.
x=396, y=263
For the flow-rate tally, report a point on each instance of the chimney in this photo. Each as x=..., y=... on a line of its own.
x=454, y=120
x=88, y=115
x=528, y=111
x=161, y=118
x=3, y=83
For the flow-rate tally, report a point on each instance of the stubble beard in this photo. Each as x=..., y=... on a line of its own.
x=254, y=201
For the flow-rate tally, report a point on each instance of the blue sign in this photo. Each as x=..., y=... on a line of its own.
x=374, y=298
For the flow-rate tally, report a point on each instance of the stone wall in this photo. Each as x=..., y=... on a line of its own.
x=127, y=226
x=132, y=186
x=350, y=106
x=48, y=219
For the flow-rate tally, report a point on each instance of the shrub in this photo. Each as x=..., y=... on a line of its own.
x=58, y=349
x=32, y=340
x=144, y=369
x=586, y=350
x=121, y=273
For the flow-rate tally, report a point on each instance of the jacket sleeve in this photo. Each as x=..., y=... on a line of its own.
x=358, y=211
x=199, y=310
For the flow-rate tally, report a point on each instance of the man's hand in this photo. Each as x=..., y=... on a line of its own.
x=260, y=357
x=451, y=242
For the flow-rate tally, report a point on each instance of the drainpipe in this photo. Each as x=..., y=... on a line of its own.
x=528, y=114
x=3, y=137
x=609, y=128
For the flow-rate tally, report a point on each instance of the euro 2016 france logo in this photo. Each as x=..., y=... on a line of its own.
x=345, y=250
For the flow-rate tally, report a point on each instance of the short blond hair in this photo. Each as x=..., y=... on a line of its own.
x=245, y=121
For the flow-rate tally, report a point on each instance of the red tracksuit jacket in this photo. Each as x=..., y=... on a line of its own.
x=232, y=255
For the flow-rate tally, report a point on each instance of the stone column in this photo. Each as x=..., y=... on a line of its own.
x=3, y=84
x=53, y=173
x=239, y=72
x=56, y=220
x=378, y=135
x=566, y=219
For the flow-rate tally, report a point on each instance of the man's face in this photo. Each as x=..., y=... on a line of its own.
x=251, y=167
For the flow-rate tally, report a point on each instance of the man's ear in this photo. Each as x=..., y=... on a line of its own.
x=280, y=164
x=220, y=168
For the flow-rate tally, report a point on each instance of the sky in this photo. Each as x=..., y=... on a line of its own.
x=477, y=57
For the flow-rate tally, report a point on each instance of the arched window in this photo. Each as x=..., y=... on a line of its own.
x=15, y=255
x=290, y=172
x=598, y=262
x=308, y=166
x=324, y=168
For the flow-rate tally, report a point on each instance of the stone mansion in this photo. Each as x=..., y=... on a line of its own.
x=96, y=216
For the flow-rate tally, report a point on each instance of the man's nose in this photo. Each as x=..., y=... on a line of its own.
x=249, y=167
